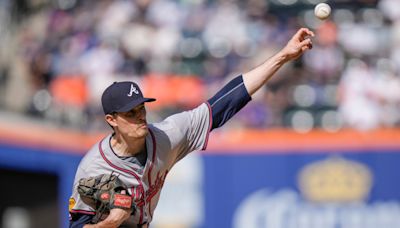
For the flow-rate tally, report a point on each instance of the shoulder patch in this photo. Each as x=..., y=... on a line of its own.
x=72, y=203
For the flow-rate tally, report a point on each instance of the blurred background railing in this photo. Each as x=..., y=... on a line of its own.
x=57, y=57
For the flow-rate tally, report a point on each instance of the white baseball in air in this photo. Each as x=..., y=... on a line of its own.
x=322, y=11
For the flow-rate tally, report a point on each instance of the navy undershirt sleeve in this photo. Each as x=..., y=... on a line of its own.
x=228, y=101
x=80, y=221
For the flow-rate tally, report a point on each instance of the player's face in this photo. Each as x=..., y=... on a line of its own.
x=132, y=123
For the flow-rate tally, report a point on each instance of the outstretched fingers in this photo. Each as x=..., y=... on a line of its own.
x=303, y=33
x=300, y=42
x=306, y=44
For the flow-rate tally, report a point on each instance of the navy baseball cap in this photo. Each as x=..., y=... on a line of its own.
x=122, y=97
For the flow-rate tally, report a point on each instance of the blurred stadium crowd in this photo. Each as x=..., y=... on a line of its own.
x=58, y=56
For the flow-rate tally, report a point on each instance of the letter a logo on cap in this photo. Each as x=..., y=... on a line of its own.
x=133, y=90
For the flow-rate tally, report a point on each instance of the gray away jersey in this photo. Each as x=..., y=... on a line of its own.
x=167, y=143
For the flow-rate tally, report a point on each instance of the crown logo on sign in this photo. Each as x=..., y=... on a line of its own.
x=335, y=180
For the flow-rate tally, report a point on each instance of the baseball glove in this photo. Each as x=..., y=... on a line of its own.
x=103, y=193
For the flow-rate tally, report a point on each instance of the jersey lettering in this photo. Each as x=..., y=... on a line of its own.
x=155, y=188
x=137, y=193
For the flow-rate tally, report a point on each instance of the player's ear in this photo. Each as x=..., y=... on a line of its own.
x=111, y=119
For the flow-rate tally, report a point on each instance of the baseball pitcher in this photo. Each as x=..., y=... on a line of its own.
x=118, y=182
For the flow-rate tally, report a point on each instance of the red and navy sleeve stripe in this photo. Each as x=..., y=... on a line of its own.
x=209, y=126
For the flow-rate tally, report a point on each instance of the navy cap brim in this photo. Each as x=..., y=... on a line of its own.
x=135, y=103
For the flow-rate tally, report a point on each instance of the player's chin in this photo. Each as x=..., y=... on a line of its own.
x=139, y=134
x=143, y=130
